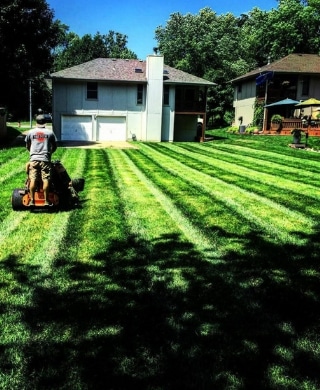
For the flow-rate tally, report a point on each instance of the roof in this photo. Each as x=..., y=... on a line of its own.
x=293, y=63
x=122, y=70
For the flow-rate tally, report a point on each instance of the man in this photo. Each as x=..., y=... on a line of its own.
x=41, y=143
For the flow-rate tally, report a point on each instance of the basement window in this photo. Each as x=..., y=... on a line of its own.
x=92, y=90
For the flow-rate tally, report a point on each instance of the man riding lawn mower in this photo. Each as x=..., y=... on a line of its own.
x=48, y=184
x=63, y=191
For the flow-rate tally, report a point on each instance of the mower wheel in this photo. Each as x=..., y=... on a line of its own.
x=78, y=184
x=16, y=199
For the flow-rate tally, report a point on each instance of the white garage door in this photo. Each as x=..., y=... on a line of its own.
x=111, y=129
x=76, y=128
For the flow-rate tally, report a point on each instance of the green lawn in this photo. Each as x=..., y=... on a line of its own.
x=188, y=266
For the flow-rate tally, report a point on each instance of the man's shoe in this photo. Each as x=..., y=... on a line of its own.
x=48, y=204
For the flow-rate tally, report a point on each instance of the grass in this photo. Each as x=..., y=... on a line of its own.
x=188, y=266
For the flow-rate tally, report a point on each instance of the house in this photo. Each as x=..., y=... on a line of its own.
x=296, y=76
x=110, y=99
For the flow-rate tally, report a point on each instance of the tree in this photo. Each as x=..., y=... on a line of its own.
x=294, y=28
x=220, y=48
x=75, y=50
x=27, y=36
x=206, y=45
x=253, y=38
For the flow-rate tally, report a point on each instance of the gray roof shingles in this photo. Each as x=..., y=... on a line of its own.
x=293, y=63
x=121, y=70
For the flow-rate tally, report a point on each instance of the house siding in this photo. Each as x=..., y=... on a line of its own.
x=113, y=101
x=245, y=109
x=117, y=82
x=244, y=102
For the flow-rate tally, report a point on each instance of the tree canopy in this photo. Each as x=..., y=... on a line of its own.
x=216, y=47
x=222, y=47
x=33, y=44
x=75, y=50
x=28, y=34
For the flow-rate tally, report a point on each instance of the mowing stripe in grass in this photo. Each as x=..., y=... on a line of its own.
x=274, y=151
x=100, y=221
x=307, y=206
x=48, y=245
x=7, y=154
x=10, y=223
x=142, y=211
x=278, y=221
x=153, y=220
x=193, y=234
x=281, y=156
x=74, y=160
x=252, y=174
x=12, y=171
x=286, y=167
x=33, y=231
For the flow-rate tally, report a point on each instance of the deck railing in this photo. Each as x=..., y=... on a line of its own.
x=313, y=128
x=293, y=124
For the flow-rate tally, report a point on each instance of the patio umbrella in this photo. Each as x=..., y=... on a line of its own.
x=308, y=103
x=284, y=102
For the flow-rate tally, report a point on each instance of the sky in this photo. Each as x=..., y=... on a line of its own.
x=138, y=19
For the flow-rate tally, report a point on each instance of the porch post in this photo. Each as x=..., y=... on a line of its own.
x=264, y=127
x=204, y=124
x=265, y=111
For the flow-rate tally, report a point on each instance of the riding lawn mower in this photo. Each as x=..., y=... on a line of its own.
x=63, y=193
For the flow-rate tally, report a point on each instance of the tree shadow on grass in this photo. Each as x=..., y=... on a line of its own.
x=161, y=315
x=13, y=138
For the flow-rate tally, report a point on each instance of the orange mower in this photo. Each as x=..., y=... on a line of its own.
x=63, y=193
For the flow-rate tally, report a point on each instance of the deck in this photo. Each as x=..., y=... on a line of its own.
x=288, y=125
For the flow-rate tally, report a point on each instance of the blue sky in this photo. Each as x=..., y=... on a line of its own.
x=138, y=19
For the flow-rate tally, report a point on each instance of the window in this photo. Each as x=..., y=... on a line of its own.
x=166, y=91
x=305, y=85
x=139, y=94
x=92, y=90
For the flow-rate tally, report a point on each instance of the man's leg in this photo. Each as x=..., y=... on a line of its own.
x=32, y=189
x=33, y=177
x=46, y=191
x=46, y=174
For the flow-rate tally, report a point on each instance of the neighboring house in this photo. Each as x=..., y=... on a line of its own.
x=117, y=100
x=296, y=76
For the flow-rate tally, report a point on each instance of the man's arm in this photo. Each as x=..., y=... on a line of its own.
x=28, y=143
x=53, y=144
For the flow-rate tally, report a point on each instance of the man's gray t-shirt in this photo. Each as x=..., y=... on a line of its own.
x=42, y=143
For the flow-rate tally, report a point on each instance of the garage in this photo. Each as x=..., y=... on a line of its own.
x=111, y=128
x=76, y=128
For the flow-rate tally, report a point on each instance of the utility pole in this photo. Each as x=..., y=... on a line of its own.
x=30, y=102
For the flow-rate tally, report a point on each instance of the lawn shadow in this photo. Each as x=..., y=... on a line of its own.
x=13, y=138
x=161, y=315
